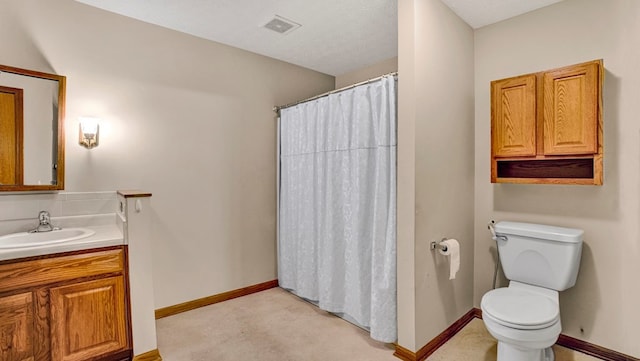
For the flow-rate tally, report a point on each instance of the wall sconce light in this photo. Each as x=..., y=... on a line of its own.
x=89, y=132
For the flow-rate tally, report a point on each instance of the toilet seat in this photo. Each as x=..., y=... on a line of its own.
x=520, y=309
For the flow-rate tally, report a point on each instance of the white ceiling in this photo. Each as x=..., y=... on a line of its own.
x=479, y=13
x=336, y=36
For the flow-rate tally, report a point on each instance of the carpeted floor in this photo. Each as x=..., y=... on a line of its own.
x=275, y=325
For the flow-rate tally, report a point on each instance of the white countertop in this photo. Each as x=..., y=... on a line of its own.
x=105, y=236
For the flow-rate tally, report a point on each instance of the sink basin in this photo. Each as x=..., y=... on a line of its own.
x=26, y=239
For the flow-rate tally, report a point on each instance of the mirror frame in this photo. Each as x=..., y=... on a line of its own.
x=62, y=85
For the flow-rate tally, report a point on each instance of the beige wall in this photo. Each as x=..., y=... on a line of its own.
x=405, y=237
x=366, y=73
x=436, y=136
x=603, y=306
x=187, y=119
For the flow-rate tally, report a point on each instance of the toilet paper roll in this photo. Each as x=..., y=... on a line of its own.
x=453, y=252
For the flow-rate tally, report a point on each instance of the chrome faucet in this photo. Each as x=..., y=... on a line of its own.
x=45, y=223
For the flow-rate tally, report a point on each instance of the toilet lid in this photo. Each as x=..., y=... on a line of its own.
x=520, y=309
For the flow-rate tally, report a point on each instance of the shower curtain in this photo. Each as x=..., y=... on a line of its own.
x=337, y=204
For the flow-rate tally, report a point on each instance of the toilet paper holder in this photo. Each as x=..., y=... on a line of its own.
x=439, y=245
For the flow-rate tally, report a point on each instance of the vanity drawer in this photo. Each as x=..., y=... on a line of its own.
x=39, y=272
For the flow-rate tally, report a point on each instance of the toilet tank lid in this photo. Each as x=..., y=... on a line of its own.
x=541, y=231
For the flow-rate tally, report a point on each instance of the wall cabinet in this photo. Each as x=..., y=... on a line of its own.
x=547, y=127
x=69, y=307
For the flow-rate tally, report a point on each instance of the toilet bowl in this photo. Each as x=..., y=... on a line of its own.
x=524, y=319
x=540, y=261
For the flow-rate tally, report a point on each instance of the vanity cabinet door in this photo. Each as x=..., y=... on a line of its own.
x=88, y=319
x=17, y=327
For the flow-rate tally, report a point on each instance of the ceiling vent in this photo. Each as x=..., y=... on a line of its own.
x=281, y=25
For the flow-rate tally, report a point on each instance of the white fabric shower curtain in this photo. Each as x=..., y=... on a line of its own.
x=337, y=206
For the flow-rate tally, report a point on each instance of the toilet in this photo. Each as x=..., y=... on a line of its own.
x=539, y=261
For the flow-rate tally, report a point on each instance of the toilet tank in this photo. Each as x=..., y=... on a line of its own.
x=540, y=255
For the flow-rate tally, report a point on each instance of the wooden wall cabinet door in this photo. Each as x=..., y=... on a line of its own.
x=17, y=327
x=88, y=319
x=513, y=121
x=571, y=110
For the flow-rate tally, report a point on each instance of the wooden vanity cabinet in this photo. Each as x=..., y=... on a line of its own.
x=68, y=307
x=547, y=127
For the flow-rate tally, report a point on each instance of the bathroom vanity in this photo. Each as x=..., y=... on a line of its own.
x=85, y=293
x=67, y=306
x=84, y=290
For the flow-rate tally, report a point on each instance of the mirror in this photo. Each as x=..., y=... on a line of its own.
x=32, y=107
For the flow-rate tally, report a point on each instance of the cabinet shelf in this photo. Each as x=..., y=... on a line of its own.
x=561, y=168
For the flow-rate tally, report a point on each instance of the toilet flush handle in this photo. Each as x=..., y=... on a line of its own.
x=495, y=236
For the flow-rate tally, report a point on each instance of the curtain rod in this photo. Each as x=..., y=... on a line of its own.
x=279, y=107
